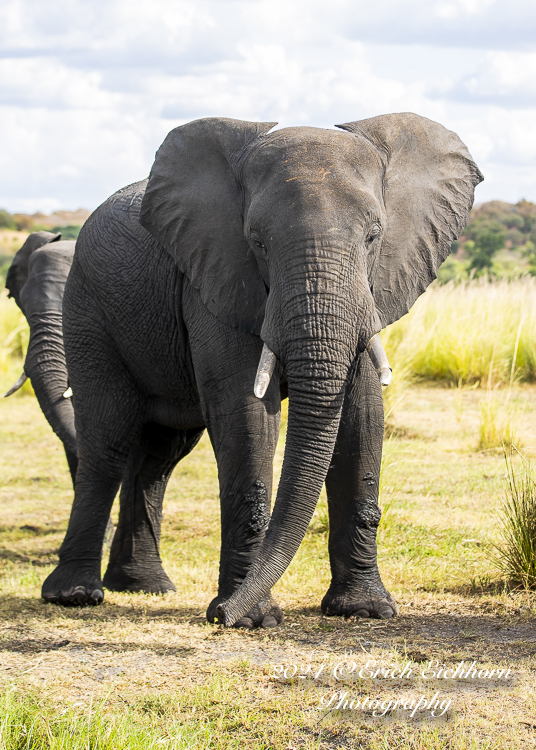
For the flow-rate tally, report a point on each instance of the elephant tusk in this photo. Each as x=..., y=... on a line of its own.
x=379, y=359
x=15, y=387
x=264, y=371
x=68, y=393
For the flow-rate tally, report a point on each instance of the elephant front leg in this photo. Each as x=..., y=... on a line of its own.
x=354, y=515
x=245, y=512
x=244, y=440
x=243, y=430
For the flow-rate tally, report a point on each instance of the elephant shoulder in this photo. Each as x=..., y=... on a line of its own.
x=113, y=238
x=118, y=215
x=126, y=203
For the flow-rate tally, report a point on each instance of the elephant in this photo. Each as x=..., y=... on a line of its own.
x=252, y=265
x=36, y=280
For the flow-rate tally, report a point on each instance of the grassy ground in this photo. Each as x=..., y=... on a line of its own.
x=145, y=671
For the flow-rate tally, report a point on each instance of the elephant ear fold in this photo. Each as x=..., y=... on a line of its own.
x=17, y=276
x=428, y=185
x=193, y=206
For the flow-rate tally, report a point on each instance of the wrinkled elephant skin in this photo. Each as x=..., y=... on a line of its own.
x=305, y=240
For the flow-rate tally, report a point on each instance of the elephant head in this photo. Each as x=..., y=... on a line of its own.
x=36, y=280
x=314, y=240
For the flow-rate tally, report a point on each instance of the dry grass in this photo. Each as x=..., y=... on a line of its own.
x=146, y=671
x=11, y=240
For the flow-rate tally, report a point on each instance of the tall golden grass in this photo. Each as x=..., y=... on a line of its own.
x=468, y=333
x=14, y=336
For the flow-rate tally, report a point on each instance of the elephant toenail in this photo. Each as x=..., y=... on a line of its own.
x=97, y=596
x=385, y=614
x=245, y=622
x=361, y=613
x=269, y=622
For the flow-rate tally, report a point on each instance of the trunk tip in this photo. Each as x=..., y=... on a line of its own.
x=224, y=618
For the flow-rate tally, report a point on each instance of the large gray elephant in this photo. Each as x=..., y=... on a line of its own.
x=36, y=280
x=300, y=245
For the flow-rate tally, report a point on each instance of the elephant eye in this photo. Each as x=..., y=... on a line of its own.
x=259, y=243
x=375, y=231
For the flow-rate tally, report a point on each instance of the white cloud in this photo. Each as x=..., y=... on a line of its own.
x=461, y=7
x=88, y=90
x=507, y=79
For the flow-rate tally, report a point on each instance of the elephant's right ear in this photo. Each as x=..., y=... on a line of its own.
x=17, y=276
x=193, y=206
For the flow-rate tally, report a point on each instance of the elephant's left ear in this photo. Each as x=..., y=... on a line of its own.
x=193, y=206
x=428, y=185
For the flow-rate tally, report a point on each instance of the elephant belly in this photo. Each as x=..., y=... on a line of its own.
x=166, y=413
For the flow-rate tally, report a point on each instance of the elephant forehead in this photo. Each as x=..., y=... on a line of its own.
x=314, y=156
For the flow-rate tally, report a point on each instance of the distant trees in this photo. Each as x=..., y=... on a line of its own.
x=36, y=223
x=499, y=240
x=484, y=240
x=6, y=220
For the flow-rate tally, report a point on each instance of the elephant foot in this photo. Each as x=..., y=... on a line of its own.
x=369, y=598
x=265, y=614
x=73, y=584
x=148, y=579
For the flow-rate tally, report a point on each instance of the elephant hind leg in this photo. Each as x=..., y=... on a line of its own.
x=135, y=563
x=109, y=412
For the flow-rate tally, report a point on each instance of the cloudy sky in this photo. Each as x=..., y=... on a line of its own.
x=89, y=88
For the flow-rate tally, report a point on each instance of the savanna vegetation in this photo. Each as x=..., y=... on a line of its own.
x=499, y=241
x=147, y=672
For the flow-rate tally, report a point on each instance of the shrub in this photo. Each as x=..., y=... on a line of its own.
x=515, y=552
x=485, y=240
x=6, y=220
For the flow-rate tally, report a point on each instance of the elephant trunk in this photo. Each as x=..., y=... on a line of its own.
x=45, y=366
x=317, y=356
